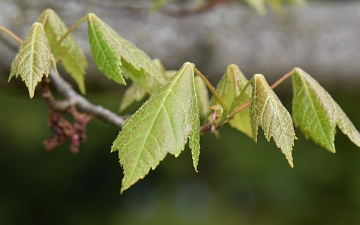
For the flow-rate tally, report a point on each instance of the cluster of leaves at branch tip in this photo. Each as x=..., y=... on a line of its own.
x=115, y=56
x=171, y=116
x=163, y=124
x=314, y=111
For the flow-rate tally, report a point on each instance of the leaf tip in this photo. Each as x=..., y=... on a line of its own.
x=11, y=75
x=332, y=150
x=195, y=164
x=290, y=160
x=48, y=10
x=114, y=148
x=122, y=189
x=31, y=94
x=186, y=64
x=91, y=15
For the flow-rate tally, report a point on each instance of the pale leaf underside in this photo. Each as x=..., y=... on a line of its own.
x=229, y=88
x=267, y=111
x=34, y=58
x=203, y=96
x=162, y=125
x=241, y=120
x=69, y=52
x=317, y=114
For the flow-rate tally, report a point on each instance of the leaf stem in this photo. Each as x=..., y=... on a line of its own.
x=68, y=32
x=236, y=88
x=14, y=36
x=45, y=18
x=243, y=106
x=212, y=89
x=289, y=74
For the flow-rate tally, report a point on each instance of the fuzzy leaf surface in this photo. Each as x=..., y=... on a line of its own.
x=268, y=112
x=317, y=114
x=163, y=124
x=203, y=96
x=33, y=59
x=116, y=57
x=241, y=120
x=68, y=51
x=229, y=89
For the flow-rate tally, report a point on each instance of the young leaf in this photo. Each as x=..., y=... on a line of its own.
x=241, y=120
x=203, y=96
x=267, y=111
x=134, y=93
x=229, y=88
x=317, y=114
x=162, y=125
x=68, y=51
x=117, y=57
x=34, y=58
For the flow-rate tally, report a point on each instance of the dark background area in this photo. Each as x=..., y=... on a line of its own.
x=239, y=182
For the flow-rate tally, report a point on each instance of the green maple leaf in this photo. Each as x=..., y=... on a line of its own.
x=163, y=124
x=267, y=111
x=33, y=59
x=68, y=51
x=317, y=114
x=117, y=57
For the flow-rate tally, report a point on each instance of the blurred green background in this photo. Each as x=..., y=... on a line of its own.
x=239, y=182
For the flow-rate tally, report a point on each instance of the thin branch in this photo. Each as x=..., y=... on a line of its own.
x=45, y=18
x=73, y=98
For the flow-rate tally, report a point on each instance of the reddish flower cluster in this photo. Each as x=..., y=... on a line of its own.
x=63, y=129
